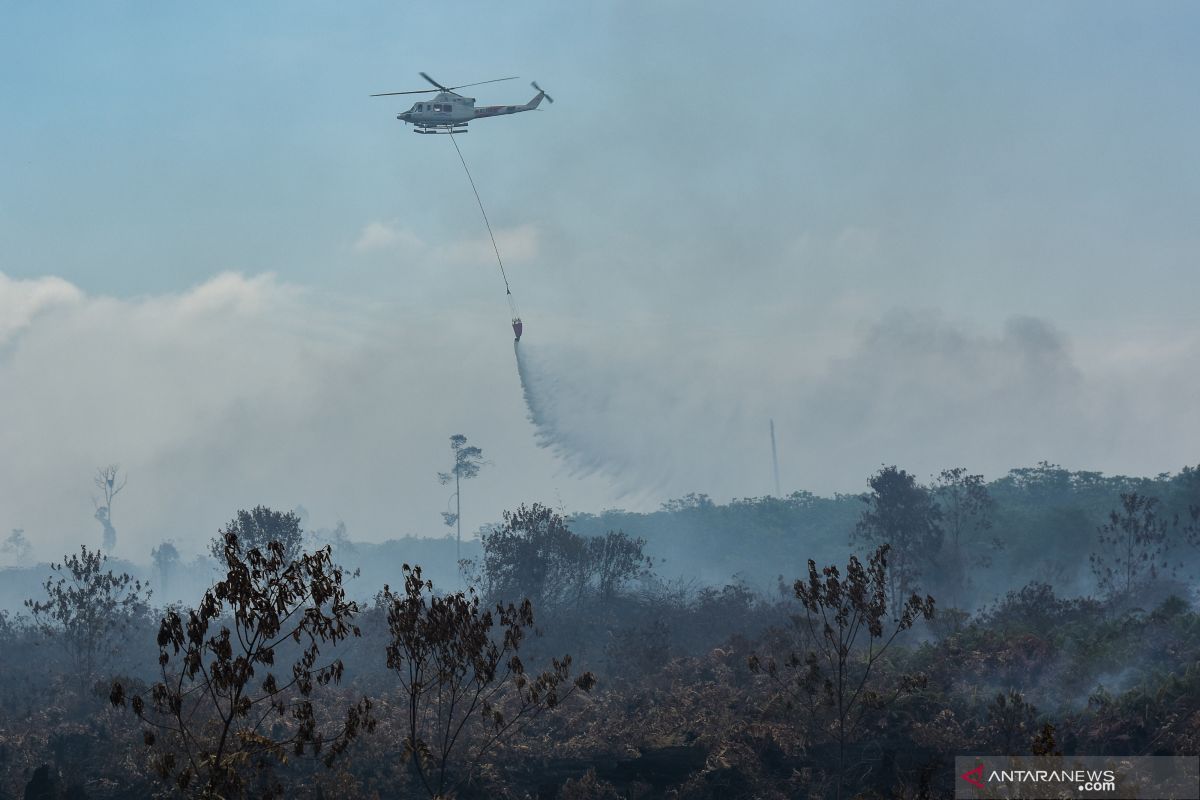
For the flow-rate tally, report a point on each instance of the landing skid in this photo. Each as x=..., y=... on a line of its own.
x=427, y=131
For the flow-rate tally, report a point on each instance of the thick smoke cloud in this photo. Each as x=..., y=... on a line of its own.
x=243, y=391
x=248, y=390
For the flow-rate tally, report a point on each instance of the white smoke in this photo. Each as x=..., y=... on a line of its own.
x=243, y=391
x=247, y=390
x=912, y=389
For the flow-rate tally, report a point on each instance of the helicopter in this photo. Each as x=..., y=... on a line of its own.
x=449, y=112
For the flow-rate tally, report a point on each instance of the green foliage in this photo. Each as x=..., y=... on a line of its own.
x=86, y=610
x=966, y=510
x=1130, y=546
x=901, y=513
x=534, y=554
x=257, y=529
x=467, y=460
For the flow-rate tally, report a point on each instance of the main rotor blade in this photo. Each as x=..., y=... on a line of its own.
x=480, y=83
x=442, y=88
x=435, y=83
x=417, y=91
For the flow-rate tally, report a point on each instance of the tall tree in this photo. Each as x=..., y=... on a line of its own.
x=166, y=561
x=1132, y=545
x=17, y=546
x=901, y=513
x=467, y=461
x=966, y=508
x=110, y=482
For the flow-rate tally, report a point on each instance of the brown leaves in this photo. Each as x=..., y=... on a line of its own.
x=463, y=681
x=208, y=705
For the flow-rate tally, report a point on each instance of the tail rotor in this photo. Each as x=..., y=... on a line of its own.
x=540, y=89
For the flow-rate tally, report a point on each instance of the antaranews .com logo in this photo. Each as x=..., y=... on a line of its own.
x=1160, y=777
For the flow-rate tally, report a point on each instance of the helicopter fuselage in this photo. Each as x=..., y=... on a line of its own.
x=449, y=112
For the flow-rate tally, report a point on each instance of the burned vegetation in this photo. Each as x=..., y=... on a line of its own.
x=854, y=647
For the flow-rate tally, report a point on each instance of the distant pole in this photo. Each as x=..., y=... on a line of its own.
x=775, y=460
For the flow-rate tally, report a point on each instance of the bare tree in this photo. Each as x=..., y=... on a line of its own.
x=467, y=461
x=850, y=628
x=214, y=723
x=110, y=482
x=463, y=681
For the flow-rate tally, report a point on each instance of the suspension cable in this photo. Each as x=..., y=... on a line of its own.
x=484, y=213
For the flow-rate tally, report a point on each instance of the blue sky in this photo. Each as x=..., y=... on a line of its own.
x=758, y=188
x=1028, y=154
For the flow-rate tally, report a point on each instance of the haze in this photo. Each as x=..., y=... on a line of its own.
x=909, y=233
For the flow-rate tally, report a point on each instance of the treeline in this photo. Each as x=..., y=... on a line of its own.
x=1038, y=523
x=1035, y=524
x=564, y=660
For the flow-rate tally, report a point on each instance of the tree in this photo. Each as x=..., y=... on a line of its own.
x=849, y=629
x=256, y=529
x=616, y=559
x=166, y=562
x=467, y=461
x=462, y=678
x=207, y=718
x=1131, y=545
x=87, y=608
x=1012, y=724
x=110, y=482
x=1191, y=528
x=533, y=554
x=17, y=546
x=901, y=513
x=966, y=510
x=338, y=539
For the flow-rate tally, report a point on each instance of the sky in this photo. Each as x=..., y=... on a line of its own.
x=927, y=234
